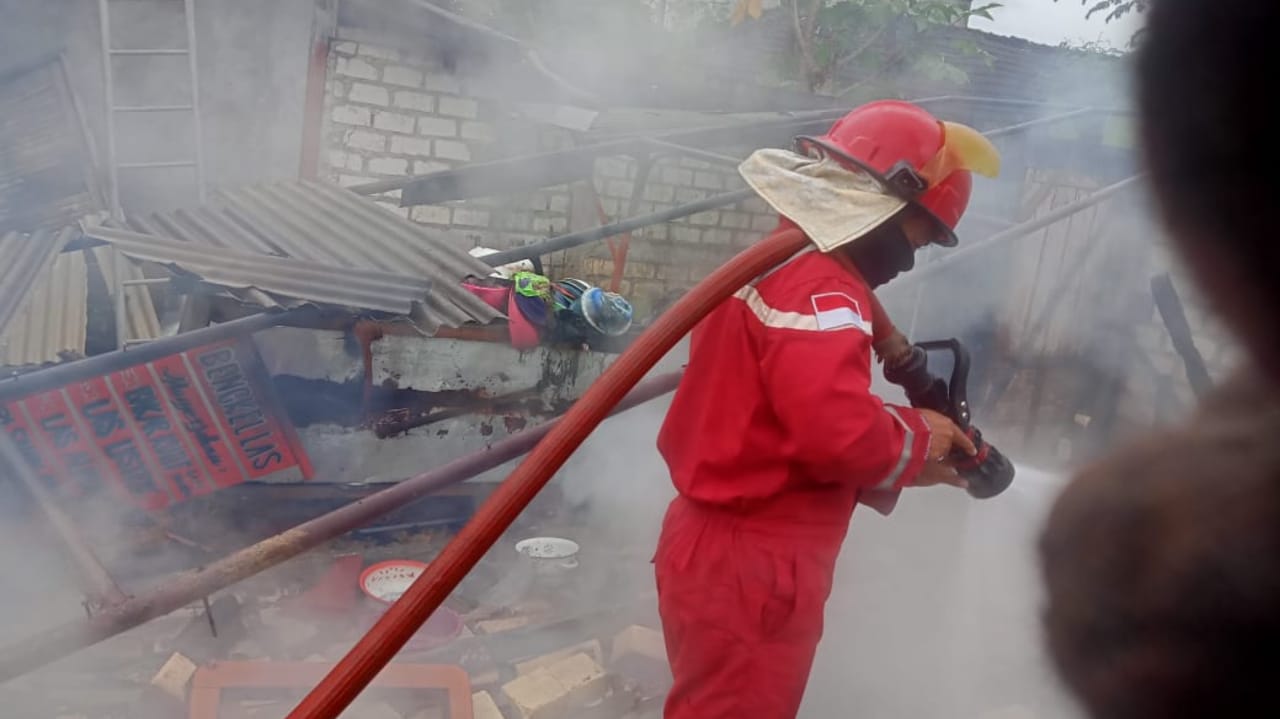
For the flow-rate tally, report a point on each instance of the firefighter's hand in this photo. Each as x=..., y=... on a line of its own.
x=935, y=473
x=945, y=437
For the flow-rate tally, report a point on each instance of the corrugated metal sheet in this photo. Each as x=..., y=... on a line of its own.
x=307, y=242
x=45, y=167
x=141, y=317
x=24, y=259
x=50, y=324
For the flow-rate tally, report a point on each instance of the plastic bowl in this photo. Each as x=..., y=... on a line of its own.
x=386, y=581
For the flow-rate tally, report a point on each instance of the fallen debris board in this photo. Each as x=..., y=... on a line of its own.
x=569, y=683
x=591, y=648
x=638, y=658
x=584, y=679
x=484, y=707
x=537, y=695
x=637, y=639
x=494, y=626
x=174, y=676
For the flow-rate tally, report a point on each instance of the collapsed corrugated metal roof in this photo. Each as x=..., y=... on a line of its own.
x=24, y=259
x=50, y=323
x=46, y=178
x=290, y=243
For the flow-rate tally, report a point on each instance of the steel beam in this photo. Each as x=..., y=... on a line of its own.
x=37, y=651
x=575, y=239
x=59, y=375
x=552, y=168
x=583, y=237
x=1024, y=228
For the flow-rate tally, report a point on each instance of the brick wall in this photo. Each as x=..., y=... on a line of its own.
x=666, y=259
x=390, y=114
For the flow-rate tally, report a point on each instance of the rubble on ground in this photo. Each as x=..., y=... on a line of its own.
x=570, y=643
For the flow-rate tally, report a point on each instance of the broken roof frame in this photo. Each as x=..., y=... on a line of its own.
x=118, y=615
x=533, y=171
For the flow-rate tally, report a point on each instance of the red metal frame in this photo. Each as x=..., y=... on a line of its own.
x=313, y=112
x=180, y=590
x=210, y=681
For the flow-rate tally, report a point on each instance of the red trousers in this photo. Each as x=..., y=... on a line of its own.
x=741, y=602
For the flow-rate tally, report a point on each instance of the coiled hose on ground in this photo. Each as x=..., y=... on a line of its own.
x=385, y=639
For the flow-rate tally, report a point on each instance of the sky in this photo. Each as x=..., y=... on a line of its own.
x=1050, y=23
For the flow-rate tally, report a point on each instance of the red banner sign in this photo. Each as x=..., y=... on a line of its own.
x=159, y=432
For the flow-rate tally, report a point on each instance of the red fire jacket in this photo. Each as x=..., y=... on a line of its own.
x=775, y=415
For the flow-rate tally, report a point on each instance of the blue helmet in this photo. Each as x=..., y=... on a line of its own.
x=608, y=313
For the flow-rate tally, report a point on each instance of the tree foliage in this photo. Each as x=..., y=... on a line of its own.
x=842, y=45
x=1114, y=9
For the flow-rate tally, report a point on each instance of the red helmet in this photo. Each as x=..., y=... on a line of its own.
x=919, y=158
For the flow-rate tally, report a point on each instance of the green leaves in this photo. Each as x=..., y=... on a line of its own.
x=1115, y=9
x=861, y=40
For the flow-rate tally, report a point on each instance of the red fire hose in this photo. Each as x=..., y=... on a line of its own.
x=385, y=639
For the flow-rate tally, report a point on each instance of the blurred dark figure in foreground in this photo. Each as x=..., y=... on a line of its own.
x=1162, y=561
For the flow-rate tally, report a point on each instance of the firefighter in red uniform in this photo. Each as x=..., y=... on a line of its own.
x=774, y=435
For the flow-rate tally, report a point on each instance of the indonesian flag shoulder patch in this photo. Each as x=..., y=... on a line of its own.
x=838, y=311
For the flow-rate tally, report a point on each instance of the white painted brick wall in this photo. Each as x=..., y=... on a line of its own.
x=432, y=215
x=365, y=140
x=437, y=127
x=369, y=94
x=352, y=115
x=458, y=107
x=414, y=146
x=415, y=101
x=442, y=83
x=424, y=167
x=450, y=150
x=394, y=122
x=471, y=218
x=355, y=67
x=389, y=166
x=406, y=76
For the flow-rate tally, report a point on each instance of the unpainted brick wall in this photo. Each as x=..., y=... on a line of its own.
x=390, y=114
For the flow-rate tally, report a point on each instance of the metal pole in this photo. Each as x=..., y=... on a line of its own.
x=197, y=128
x=1025, y=228
x=37, y=651
x=575, y=239
x=118, y=299
x=705, y=155
x=1012, y=102
x=109, y=97
x=62, y=374
x=1048, y=120
x=101, y=588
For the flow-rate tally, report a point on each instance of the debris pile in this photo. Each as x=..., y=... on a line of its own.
x=544, y=628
